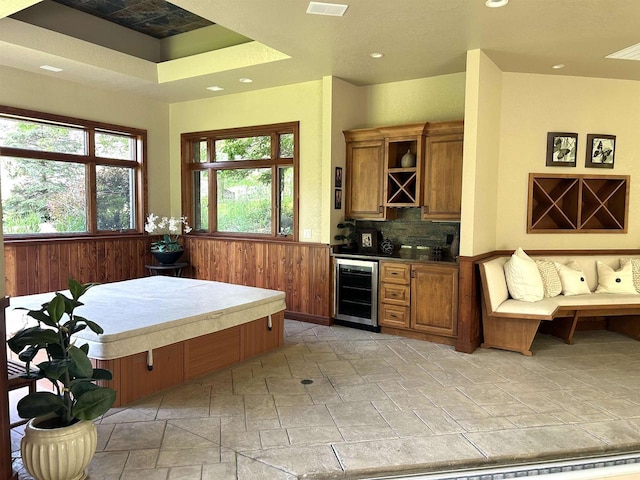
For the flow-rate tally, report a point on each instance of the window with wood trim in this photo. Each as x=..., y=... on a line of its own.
x=67, y=176
x=242, y=181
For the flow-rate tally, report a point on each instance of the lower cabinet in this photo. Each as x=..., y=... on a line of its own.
x=419, y=300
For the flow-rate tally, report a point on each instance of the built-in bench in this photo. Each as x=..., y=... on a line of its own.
x=511, y=324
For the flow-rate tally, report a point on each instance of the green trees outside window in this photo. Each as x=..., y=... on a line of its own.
x=243, y=180
x=68, y=176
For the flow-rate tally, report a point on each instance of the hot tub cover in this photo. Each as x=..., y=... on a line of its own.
x=152, y=312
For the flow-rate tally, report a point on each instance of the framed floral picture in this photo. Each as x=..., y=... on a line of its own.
x=561, y=149
x=600, y=150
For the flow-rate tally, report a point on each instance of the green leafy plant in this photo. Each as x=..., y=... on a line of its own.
x=348, y=234
x=68, y=367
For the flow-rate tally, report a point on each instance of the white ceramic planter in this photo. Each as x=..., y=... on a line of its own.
x=58, y=453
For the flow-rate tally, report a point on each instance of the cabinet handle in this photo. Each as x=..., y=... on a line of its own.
x=379, y=208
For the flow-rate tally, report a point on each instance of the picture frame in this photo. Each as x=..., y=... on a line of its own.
x=562, y=148
x=338, y=177
x=600, y=150
x=368, y=240
x=337, y=202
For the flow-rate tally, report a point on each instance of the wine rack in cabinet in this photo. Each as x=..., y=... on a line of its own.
x=577, y=203
x=403, y=164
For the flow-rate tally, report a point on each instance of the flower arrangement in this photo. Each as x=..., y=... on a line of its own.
x=170, y=228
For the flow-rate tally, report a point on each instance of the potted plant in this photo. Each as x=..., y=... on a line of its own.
x=60, y=439
x=166, y=250
x=348, y=235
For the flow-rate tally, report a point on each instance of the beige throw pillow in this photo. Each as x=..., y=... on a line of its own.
x=550, y=278
x=635, y=270
x=615, y=281
x=523, y=278
x=572, y=278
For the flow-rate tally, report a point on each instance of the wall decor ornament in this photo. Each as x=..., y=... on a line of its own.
x=561, y=149
x=600, y=150
x=338, y=177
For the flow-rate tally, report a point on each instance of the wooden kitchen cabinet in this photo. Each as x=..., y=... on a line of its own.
x=419, y=300
x=364, y=170
x=443, y=179
x=434, y=294
x=395, y=294
x=403, y=183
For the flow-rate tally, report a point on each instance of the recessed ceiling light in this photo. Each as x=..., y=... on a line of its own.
x=559, y=66
x=245, y=80
x=215, y=88
x=376, y=55
x=496, y=3
x=330, y=9
x=50, y=68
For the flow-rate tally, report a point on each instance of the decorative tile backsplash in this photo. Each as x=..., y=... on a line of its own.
x=408, y=229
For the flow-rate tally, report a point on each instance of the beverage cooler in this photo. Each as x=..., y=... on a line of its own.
x=356, y=293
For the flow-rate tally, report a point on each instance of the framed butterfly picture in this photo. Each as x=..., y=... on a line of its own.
x=561, y=149
x=600, y=150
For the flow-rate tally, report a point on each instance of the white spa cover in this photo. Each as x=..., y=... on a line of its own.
x=146, y=313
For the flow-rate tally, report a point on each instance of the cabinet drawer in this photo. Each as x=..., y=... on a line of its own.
x=394, y=316
x=395, y=272
x=395, y=294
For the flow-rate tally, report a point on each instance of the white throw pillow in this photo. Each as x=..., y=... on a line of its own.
x=635, y=269
x=550, y=278
x=572, y=278
x=523, y=278
x=615, y=281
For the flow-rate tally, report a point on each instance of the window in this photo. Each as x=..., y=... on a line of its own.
x=66, y=176
x=242, y=181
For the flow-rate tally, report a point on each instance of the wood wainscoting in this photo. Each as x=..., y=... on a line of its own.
x=301, y=270
x=39, y=266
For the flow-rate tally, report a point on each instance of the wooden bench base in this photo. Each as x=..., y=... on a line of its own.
x=506, y=333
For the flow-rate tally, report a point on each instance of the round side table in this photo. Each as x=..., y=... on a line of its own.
x=174, y=270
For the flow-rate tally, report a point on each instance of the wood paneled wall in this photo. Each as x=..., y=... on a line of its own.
x=37, y=266
x=301, y=270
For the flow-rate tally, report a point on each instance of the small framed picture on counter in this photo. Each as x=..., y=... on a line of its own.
x=368, y=240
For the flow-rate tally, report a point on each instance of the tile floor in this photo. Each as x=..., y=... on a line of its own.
x=378, y=405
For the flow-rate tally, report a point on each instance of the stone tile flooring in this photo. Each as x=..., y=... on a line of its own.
x=378, y=405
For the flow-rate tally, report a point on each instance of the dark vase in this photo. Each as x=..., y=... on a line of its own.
x=167, y=258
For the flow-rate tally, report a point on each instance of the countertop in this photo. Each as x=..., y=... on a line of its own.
x=413, y=255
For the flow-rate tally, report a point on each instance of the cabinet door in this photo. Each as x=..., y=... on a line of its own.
x=434, y=294
x=364, y=186
x=443, y=183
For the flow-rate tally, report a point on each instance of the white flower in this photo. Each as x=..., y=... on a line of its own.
x=170, y=228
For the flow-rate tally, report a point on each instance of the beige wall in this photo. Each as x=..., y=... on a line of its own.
x=531, y=106
x=45, y=93
x=345, y=106
x=481, y=149
x=434, y=99
x=301, y=102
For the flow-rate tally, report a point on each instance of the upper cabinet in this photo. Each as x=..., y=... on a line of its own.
x=418, y=165
x=364, y=191
x=443, y=177
x=403, y=164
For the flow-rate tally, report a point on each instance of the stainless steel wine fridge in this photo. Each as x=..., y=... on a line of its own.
x=356, y=293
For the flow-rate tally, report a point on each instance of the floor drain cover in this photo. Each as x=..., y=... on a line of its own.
x=306, y=381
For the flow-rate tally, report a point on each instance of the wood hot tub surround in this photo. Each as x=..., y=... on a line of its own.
x=161, y=331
